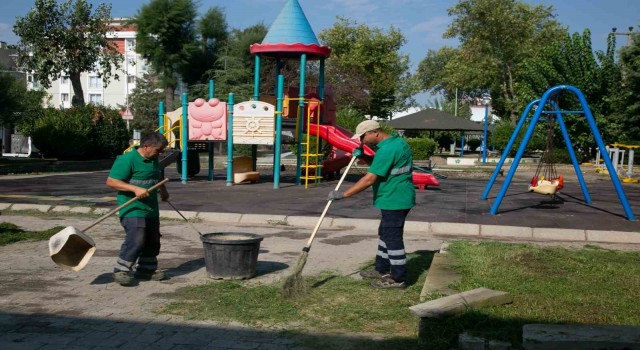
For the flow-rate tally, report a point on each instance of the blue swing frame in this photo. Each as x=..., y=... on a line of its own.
x=534, y=120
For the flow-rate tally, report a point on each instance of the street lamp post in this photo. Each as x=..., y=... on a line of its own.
x=486, y=100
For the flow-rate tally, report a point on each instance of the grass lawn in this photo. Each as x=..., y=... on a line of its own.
x=10, y=233
x=548, y=284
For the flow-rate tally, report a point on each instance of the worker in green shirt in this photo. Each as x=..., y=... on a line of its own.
x=132, y=174
x=390, y=176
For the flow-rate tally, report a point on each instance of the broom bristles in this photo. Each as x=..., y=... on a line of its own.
x=293, y=286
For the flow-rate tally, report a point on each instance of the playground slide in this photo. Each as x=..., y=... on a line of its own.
x=341, y=139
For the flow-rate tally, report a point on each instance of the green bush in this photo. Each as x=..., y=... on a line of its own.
x=62, y=134
x=348, y=118
x=80, y=133
x=561, y=156
x=422, y=148
x=474, y=144
x=109, y=135
x=503, y=130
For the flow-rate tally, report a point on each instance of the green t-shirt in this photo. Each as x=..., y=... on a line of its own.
x=393, y=189
x=134, y=169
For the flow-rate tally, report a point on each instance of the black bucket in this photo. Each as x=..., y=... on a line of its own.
x=229, y=255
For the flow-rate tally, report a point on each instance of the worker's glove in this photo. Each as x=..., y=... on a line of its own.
x=335, y=196
x=357, y=152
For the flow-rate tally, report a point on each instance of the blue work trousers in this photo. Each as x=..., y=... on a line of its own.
x=141, y=244
x=391, y=256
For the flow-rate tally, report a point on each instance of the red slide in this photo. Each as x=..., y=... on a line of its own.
x=341, y=138
x=338, y=137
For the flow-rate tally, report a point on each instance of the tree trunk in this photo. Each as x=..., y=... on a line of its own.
x=168, y=98
x=78, y=94
x=512, y=100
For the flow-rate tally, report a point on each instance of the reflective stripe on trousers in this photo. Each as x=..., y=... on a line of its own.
x=391, y=255
x=141, y=244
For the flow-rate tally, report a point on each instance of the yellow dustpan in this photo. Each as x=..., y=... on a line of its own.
x=71, y=249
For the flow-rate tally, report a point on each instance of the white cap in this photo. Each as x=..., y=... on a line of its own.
x=367, y=125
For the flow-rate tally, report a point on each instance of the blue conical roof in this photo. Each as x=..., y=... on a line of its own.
x=291, y=26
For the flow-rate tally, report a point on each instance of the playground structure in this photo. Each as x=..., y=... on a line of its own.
x=308, y=113
x=616, y=153
x=545, y=105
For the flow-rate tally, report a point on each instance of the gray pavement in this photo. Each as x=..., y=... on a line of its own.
x=43, y=307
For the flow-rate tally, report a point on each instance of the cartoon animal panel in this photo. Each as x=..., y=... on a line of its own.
x=253, y=123
x=207, y=120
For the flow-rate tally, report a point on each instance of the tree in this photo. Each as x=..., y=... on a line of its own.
x=373, y=54
x=212, y=35
x=433, y=74
x=18, y=106
x=496, y=37
x=166, y=39
x=67, y=39
x=572, y=61
x=629, y=101
x=143, y=102
x=233, y=70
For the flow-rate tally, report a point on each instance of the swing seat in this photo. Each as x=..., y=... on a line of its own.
x=560, y=181
x=544, y=187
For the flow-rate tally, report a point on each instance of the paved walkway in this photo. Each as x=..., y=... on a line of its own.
x=43, y=307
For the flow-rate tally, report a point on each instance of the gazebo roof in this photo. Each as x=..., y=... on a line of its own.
x=434, y=119
x=291, y=35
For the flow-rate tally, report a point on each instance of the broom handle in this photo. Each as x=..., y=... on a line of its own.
x=105, y=216
x=326, y=207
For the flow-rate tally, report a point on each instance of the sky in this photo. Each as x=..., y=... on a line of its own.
x=421, y=21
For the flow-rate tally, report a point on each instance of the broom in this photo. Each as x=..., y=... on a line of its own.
x=293, y=285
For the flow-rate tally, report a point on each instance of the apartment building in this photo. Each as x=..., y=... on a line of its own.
x=118, y=91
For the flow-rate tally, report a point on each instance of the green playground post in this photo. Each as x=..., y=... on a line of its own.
x=210, y=143
x=277, y=152
x=301, y=121
x=184, y=138
x=230, y=141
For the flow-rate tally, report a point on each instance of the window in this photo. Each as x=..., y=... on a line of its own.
x=64, y=80
x=130, y=44
x=64, y=97
x=131, y=79
x=95, y=82
x=33, y=79
x=95, y=99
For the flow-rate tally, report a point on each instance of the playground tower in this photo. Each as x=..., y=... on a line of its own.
x=290, y=37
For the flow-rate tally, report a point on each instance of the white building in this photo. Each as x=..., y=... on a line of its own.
x=118, y=91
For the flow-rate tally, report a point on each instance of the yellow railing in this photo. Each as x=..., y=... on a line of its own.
x=167, y=134
x=312, y=155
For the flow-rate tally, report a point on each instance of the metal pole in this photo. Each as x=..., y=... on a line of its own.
x=484, y=137
x=277, y=153
x=455, y=108
x=256, y=79
x=230, y=141
x=301, y=119
x=161, y=117
x=184, y=138
x=210, y=143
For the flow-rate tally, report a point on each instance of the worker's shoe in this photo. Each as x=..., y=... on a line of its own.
x=388, y=282
x=123, y=278
x=373, y=274
x=149, y=275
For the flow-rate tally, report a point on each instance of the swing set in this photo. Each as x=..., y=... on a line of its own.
x=546, y=180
